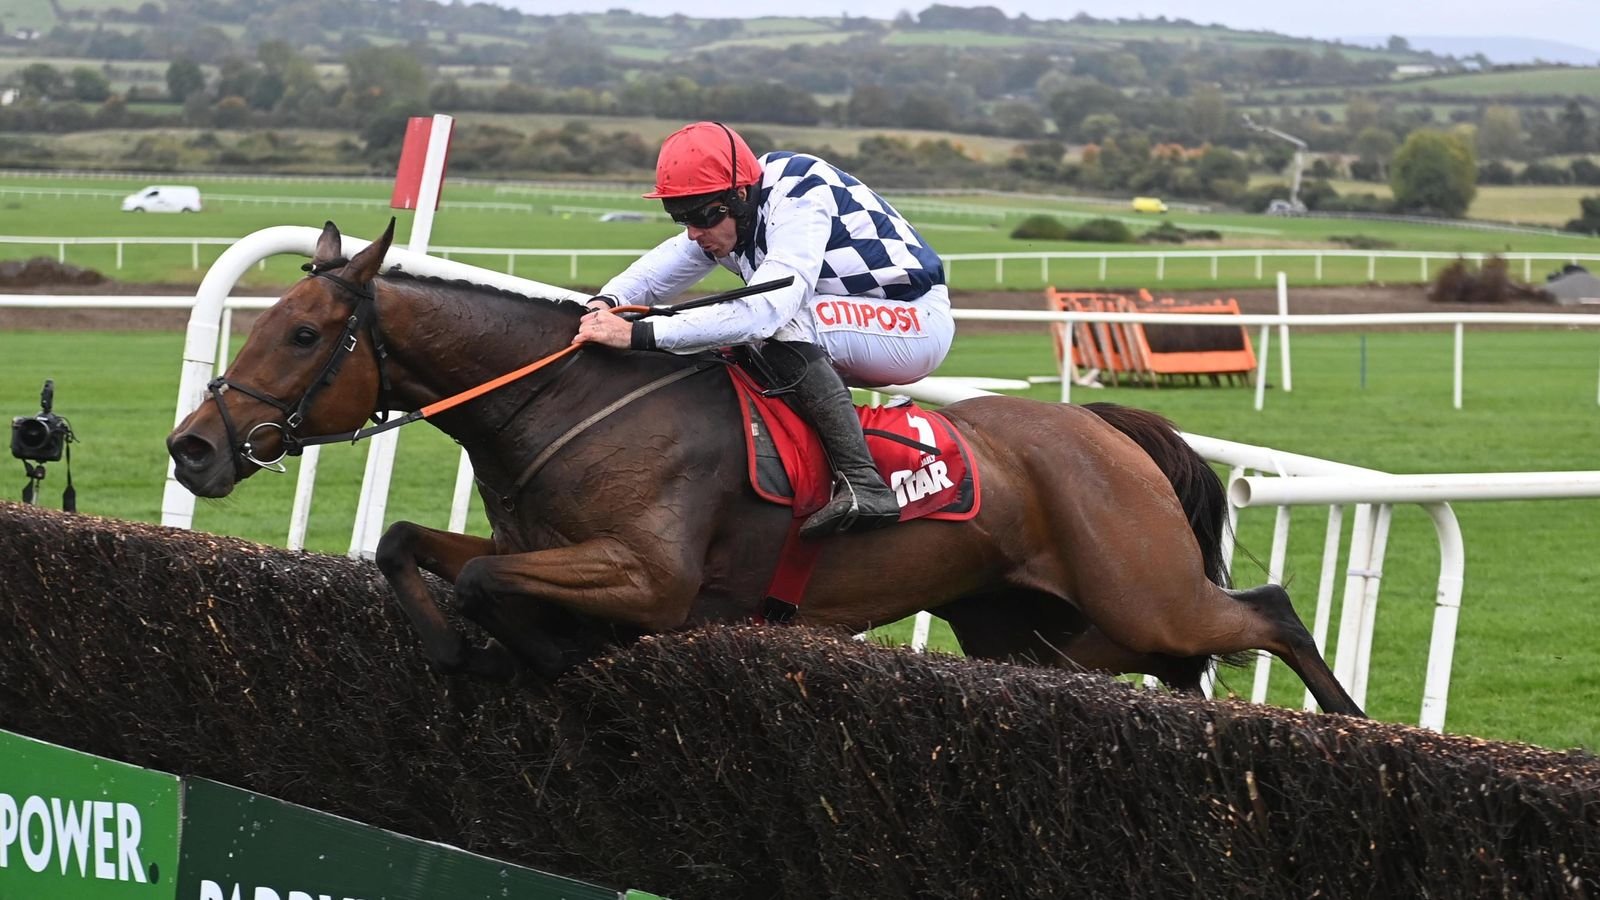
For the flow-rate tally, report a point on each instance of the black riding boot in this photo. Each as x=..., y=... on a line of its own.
x=861, y=501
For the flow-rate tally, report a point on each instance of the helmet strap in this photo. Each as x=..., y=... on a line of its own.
x=743, y=212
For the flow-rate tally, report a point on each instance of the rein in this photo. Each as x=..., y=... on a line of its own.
x=365, y=318
x=551, y=449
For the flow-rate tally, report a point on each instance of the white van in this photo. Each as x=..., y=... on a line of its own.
x=163, y=198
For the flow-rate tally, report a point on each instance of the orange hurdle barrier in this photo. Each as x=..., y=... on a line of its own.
x=1149, y=353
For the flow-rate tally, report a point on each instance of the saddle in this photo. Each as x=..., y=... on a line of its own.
x=918, y=452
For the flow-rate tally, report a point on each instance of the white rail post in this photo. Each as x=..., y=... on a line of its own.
x=1446, y=615
x=1067, y=369
x=1330, y=571
x=304, y=486
x=1460, y=336
x=919, y=631
x=1283, y=331
x=1261, y=368
x=1280, y=553
x=1372, y=580
x=1347, y=653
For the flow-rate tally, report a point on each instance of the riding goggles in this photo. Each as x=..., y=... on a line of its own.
x=708, y=216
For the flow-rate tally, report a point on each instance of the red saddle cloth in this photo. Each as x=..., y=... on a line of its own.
x=919, y=453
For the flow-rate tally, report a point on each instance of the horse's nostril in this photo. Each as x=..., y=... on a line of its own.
x=192, y=451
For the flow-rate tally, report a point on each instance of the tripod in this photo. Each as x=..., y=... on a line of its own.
x=30, y=491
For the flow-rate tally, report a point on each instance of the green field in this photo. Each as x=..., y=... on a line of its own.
x=1525, y=84
x=1525, y=668
x=847, y=140
x=553, y=218
x=777, y=41
x=1529, y=204
x=955, y=37
x=1560, y=81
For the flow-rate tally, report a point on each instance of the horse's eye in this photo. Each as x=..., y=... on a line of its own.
x=305, y=336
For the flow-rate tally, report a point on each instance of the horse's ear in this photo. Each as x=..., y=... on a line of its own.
x=328, y=245
x=364, y=265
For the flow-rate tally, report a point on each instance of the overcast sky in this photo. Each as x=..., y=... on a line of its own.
x=1569, y=21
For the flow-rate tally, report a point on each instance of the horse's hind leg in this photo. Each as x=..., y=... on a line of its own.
x=1297, y=648
x=1036, y=628
x=1094, y=650
x=1204, y=619
x=407, y=548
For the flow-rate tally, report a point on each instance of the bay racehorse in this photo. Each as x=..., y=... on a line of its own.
x=1082, y=554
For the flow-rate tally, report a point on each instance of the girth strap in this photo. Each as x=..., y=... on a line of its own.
x=567, y=437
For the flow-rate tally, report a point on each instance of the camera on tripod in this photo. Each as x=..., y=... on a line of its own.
x=44, y=437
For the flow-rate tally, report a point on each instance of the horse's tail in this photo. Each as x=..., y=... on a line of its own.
x=1198, y=487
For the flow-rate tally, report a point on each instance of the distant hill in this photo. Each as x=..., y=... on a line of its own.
x=1501, y=50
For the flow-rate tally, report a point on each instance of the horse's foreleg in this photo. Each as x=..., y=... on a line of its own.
x=407, y=548
x=642, y=586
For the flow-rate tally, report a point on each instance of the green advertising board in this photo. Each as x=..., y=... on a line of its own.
x=81, y=827
x=243, y=846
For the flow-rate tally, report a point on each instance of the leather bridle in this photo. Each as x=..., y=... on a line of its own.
x=363, y=318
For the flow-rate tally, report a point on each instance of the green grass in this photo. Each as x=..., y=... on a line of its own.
x=1524, y=664
x=1336, y=111
x=778, y=41
x=653, y=130
x=1522, y=85
x=976, y=224
x=788, y=25
x=1530, y=204
x=1560, y=81
x=957, y=37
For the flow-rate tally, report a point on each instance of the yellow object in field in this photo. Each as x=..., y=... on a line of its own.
x=1149, y=205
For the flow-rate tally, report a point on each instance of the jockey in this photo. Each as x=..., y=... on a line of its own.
x=868, y=305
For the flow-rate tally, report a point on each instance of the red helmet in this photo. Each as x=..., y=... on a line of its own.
x=703, y=158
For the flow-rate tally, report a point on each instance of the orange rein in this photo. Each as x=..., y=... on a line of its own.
x=503, y=380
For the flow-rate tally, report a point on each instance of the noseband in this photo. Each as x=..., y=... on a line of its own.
x=363, y=318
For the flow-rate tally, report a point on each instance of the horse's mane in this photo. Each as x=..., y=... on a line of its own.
x=561, y=305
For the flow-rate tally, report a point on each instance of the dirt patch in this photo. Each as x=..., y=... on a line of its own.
x=69, y=319
x=42, y=270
